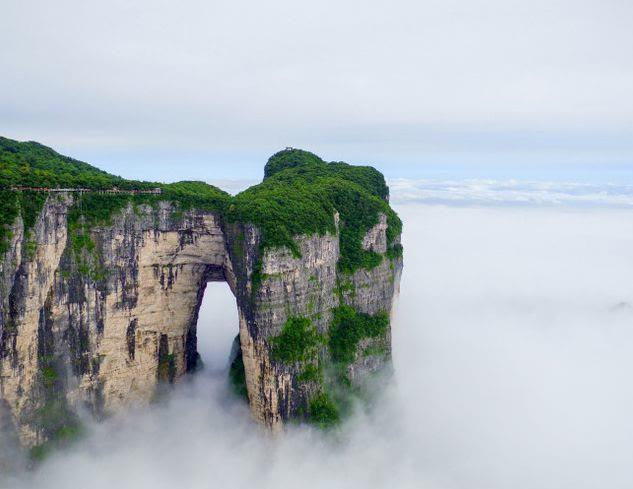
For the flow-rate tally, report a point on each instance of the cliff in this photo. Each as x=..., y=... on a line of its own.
x=99, y=293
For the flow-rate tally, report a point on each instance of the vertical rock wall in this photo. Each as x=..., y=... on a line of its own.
x=310, y=287
x=27, y=278
x=110, y=336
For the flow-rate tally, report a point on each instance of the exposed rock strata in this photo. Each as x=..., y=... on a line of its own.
x=107, y=340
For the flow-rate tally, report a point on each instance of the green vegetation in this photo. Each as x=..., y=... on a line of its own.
x=33, y=164
x=189, y=195
x=336, y=393
x=298, y=341
x=349, y=327
x=9, y=210
x=167, y=368
x=49, y=376
x=300, y=195
x=93, y=209
x=289, y=158
x=375, y=350
x=311, y=373
x=323, y=411
x=366, y=176
x=166, y=371
x=31, y=204
x=26, y=204
x=395, y=251
x=53, y=417
x=62, y=438
x=237, y=376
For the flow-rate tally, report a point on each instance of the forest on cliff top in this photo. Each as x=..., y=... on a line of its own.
x=299, y=195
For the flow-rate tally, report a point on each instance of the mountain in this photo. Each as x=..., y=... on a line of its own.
x=101, y=284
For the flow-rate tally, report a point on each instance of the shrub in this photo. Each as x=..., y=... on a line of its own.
x=349, y=327
x=322, y=411
x=311, y=373
x=298, y=341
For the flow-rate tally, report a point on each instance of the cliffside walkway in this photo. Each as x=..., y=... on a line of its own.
x=154, y=191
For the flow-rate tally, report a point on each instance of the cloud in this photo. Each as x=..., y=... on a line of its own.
x=541, y=79
x=511, y=193
x=512, y=369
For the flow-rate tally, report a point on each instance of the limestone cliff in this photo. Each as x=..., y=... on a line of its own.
x=94, y=318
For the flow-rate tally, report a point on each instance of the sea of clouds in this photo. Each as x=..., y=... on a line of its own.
x=511, y=193
x=512, y=336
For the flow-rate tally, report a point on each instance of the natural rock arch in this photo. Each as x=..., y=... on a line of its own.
x=109, y=342
x=101, y=281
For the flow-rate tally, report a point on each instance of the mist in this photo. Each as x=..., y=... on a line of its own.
x=512, y=340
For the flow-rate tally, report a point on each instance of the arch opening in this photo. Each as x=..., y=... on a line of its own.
x=216, y=326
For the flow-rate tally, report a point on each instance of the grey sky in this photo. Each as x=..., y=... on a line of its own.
x=168, y=90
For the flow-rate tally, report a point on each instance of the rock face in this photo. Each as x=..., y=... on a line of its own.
x=95, y=330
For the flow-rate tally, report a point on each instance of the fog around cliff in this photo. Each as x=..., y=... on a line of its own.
x=512, y=337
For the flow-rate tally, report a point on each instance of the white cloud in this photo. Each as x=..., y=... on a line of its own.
x=406, y=77
x=511, y=193
x=512, y=362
